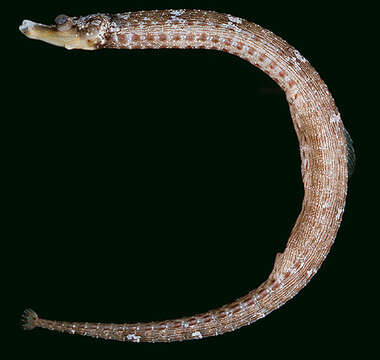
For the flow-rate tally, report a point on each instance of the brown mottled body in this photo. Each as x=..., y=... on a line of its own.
x=323, y=148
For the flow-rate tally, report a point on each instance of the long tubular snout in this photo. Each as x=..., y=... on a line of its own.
x=34, y=30
x=70, y=39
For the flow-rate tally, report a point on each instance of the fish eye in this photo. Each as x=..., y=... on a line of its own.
x=63, y=22
x=61, y=19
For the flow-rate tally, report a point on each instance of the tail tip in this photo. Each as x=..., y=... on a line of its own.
x=29, y=319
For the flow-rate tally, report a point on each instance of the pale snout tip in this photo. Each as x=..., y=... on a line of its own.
x=26, y=26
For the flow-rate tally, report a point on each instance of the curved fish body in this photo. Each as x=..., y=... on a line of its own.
x=326, y=151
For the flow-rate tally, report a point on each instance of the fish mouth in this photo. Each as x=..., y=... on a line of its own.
x=69, y=39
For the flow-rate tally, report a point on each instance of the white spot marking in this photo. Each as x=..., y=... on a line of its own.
x=270, y=45
x=338, y=214
x=234, y=19
x=197, y=334
x=334, y=118
x=125, y=16
x=299, y=56
x=306, y=163
x=133, y=337
x=326, y=205
x=309, y=273
x=177, y=12
x=262, y=313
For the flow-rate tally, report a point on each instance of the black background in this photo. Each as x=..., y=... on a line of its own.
x=148, y=185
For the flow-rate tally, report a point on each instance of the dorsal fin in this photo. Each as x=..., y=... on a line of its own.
x=351, y=157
